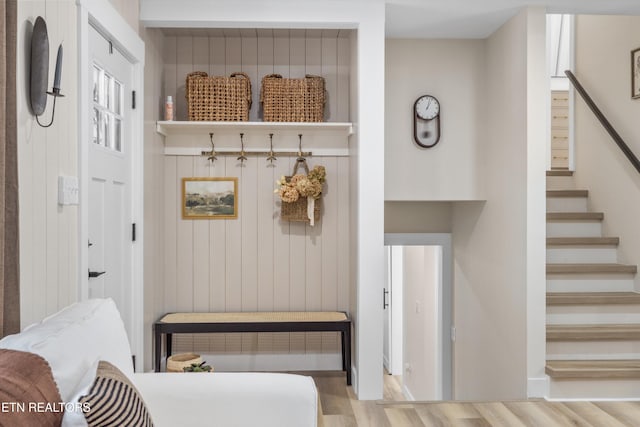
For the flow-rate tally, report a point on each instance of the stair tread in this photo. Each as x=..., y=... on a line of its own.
x=591, y=268
x=568, y=369
x=575, y=216
x=583, y=241
x=607, y=332
x=593, y=298
x=567, y=193
x=559, y=172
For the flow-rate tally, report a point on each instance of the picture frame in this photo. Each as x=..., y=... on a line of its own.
x=209, y=198
x=635, y=73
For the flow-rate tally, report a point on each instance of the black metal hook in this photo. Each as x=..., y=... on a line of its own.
x=242, y=156
x=213, y=155
x=300, y=156
x=272, y=156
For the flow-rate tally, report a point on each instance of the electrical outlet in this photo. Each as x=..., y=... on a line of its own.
x=418, y=307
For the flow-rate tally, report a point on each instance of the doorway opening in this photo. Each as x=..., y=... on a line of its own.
x=560, y=57
x=417, y=349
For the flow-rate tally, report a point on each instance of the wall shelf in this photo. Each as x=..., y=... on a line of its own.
x=170, y=128
x=184, y=138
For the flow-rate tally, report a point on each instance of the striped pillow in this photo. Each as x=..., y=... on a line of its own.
x=114, y=401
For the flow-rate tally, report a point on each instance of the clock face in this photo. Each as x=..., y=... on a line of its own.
x=427, y=107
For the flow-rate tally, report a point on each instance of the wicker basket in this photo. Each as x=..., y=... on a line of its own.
x=292, y=100
x=212, y=98
x=297, y=211
x=178, y=362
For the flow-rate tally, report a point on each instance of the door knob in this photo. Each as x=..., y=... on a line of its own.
x=93, y=274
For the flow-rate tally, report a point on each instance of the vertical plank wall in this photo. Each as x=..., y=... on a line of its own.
x=48, y=232
x=257, y=262
x=259, y=52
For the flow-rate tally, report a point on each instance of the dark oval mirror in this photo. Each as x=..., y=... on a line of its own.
x=39, y=66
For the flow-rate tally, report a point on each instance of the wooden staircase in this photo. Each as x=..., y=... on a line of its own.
x=593, y=311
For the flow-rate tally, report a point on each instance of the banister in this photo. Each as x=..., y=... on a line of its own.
x=603, y=120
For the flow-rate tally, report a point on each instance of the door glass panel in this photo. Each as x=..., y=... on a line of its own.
x=95, y=126
x=107, y=121
x=117, y=134
x=106, y=90
x=117, y=95
x=96, y=84
x=108, y=134
x=101, y=129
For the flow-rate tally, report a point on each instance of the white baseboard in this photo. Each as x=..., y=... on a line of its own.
x=274, y=362
x=407, y=394
x=538, y=387
x=354, y=379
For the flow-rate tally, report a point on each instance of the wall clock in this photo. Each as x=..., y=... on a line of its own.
x=426, y=121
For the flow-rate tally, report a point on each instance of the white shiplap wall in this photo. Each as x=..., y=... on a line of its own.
x=257, y=262
x=48, y=232
x=290, y=53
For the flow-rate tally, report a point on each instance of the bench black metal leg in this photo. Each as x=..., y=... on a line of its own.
x=158, y=355
x=346, y=352
x=169, y=344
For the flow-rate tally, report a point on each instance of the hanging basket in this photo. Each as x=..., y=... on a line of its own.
x=297, y=211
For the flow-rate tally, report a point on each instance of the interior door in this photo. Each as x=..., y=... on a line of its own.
x=110, y=163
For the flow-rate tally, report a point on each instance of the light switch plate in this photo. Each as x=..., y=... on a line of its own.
x=68, y=190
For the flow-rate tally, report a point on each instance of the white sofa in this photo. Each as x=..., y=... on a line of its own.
x=76, y=338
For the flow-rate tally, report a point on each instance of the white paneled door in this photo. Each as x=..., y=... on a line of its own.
x=109, y=199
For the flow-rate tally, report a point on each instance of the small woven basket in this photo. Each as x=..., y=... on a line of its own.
x=213, y=98
x=178, y=362
x=297, y=211
x=292, y=100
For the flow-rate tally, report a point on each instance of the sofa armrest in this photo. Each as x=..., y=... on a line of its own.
x=229, y=399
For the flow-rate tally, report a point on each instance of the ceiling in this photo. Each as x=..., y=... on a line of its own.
x=480, y=18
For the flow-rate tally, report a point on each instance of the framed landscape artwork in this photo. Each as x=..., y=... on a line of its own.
x=635, y=73
x=209, y=198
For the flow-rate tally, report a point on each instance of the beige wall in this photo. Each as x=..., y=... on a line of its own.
x=453, y=72
x=48, y=232
x=603, y=44
x=290, y=53
x=417, y=217
x=256, y=262
x=489, y=239
x=129, y=10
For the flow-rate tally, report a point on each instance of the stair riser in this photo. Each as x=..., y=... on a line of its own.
x=574, y=229
x=594, y=389
x=560, y=182
x=571, y=283
x=566, y=204
x=593, y=350
x=592, y=314
x=581, y=255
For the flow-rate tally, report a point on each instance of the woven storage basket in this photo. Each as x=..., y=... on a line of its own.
x=178, y=362
x=297, y=211
x=212, y=98
x=292, y=100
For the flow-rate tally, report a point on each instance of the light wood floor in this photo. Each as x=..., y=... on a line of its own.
x=340, y=408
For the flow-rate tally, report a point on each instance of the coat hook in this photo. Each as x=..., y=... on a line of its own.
x=213, y=155
x=272, y=155
x=242, y=156
x=300, y=157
